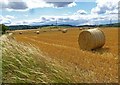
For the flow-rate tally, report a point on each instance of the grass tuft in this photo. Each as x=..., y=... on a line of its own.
x=26, y=64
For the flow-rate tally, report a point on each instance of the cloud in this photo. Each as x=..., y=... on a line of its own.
x=88, y=19
x=9, y=17
x=43, y=20
x=80, y=12
x=50, y=3
x=37, y=4
x=63, y=4
x=78, y=19
x=106, y=6
x=6, y=19
x=72, y=4
x=102, y=13
x=74, y=19
x=19, y=5
x=115, y=11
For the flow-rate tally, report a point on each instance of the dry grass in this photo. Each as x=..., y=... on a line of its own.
x=87, y=66
x=26, y=64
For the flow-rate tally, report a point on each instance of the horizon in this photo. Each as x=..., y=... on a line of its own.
x=43, y=12
x=66, y=25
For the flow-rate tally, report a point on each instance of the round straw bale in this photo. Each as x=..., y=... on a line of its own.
x=91, y=39
x=20, y=32
x=7, y=32
x=80, y=28
x=59, y=29
x=37, y=32
x=64, y=30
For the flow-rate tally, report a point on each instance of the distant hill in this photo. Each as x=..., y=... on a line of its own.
x=112, y=25
x=21, y=27
x=102, y=25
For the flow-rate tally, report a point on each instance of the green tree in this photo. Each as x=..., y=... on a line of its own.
x=3, y=28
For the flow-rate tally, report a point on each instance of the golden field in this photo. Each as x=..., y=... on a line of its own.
x=99, y=66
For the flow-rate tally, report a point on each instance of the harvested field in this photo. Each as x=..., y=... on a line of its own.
x=100, y=65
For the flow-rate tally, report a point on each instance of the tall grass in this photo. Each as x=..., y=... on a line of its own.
x=23, y=63
x=26, y=64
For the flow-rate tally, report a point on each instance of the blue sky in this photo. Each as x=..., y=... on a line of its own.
x=42, y=12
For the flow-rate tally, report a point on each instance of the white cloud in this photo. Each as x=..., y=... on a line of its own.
x=61, y=3
x=105, y=10
x=13, y=5
x=6, y=20
x=80, y=12
x=37, y=4
x=20, y=5
x=20, y=10
x=86, y=19
x=102, y=13
x=88, y=23
x=105, y=6
x=115, y=11
x=72, y=4
x=9, y=17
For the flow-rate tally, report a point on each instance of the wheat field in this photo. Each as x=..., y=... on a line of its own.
x=97, y=66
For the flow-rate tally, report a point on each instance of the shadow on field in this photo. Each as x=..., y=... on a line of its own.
x=101, y=50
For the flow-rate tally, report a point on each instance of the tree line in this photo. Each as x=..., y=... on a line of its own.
x=3, y=28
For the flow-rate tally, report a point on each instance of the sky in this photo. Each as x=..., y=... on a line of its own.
x=47, y=12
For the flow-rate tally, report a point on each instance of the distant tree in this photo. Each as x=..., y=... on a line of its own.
x=3, y=28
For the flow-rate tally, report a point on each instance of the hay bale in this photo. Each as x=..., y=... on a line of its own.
x=37, y=32
x=80, y=28
x=64, y=30
x=20, y=32
x=7, y=32
x=91, y=39
x=44, y=31
x=59, y=29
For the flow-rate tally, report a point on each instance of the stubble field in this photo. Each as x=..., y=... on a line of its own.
x=100, y=65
